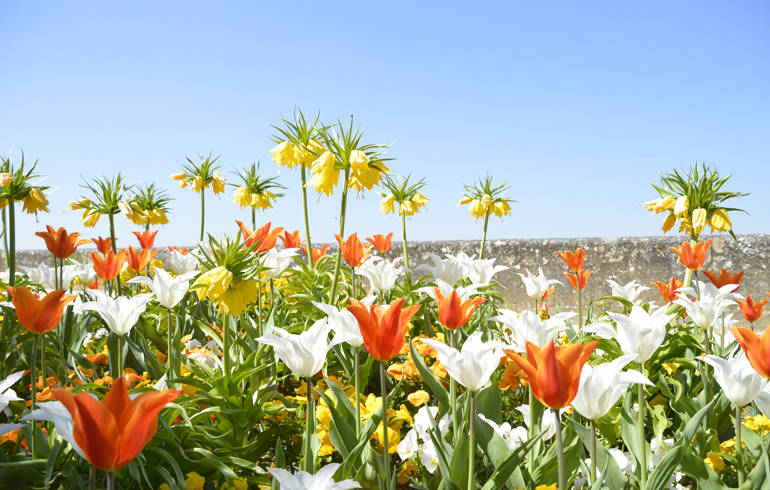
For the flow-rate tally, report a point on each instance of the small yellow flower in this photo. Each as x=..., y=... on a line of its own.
x=386, y=205
x=720, y=221
x=35, y=201
x=418, y=398
x=681, y=206
x=325, y=174
x=547, y=487
x=714, y=460
x=669, y=222
x=283, y=154
x=238, y=484
x=699, y=216
x=242, y=197
x=218, y=185
x=671, y=367
x=420, y=200
x=728, y=446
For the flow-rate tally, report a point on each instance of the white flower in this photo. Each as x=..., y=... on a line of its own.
x=624, y=460
x=344, y=323
x=303, y=353
x=629, y=292
x=601, y=386
x=167, y=290
x=276, y=261
x=513, y=436
x=57, y=413
x=762, y=400
x=640, y=333
x=121, y=313
x=449, y=270
x=537, y=285
x=547, y=422
x=474, y=364
x=418, y=440
x=203, y=356
x=43, y=276
x=464, y=292
x=86, y=274
x=6, y=393
x=481, y=271
x=182, y=263
x=302, y=480
x=528, y=327
x=659, y=449
x=382, y=274
x=739, y=381
x=710, y=303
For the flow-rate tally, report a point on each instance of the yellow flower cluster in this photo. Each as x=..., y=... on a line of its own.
x=758, y=423
x=197, y=184
x=407, y=207
x=34, y=201
x=142, y=217
x=362, y=174
x=679, y=210
x=290, y=155
x=233, y=298
x=194, y=481
x=479, y=208
x=244, y=198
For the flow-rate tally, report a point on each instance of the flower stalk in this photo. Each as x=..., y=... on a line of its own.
x=738, y=449
x=385, y=447
x=338, y=260
x=472, y=443
x=305, y=215
x=559, y=449
x=642, y=439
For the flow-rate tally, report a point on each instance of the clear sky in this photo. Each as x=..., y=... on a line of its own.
x=578, y=105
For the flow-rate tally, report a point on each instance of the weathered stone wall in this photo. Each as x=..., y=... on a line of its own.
x=644, y=259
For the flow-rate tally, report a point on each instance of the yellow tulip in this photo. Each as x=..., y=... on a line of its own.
x=699, y=216
x=386, y=205
x=218, y=185
x=283, y=154
x=681, y=206
x=720, y=221
x=242, y=197
x=325, y=174
x=35, y=201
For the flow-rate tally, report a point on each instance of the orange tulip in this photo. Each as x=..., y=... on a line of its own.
x=291, y=240
x=451, y=312
x=756, y=347
x=146, y=238
x=668, y=291
x=103, y=245
x=108, y=267
x=353, y=250
x=182, y=251
x=317, y=254
x=263, y=237
x=580, y=277
x=751, y=309
x=60, y=243
x=138, y=261
x=690, y=257
x=38, y=315
x=381, y=242
x=383, y=328
x=113, y=432
x=724, y=278
x=554, y=372
x=574, y=260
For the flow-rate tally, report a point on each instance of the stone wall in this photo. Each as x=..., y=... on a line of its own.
x=644, y=259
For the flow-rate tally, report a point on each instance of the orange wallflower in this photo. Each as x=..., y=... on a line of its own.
x=724, y=278
x=291, y=240
x=756, y=347
x=383, y=328
x=513, y=376
x=103, y=245
x=138, y=261
x=554, y=372
x=381, y=242
x=353, y=250
x=451, y=312
x=108, y=267
x=692, y=257
x=668, y=290
x=317, y=254
x=580, y=277
x=574, y=260
x=146, y=238
x=38, y=315
x=113, y=432
x=751, y=309
x=60, y=243
x=263, y=237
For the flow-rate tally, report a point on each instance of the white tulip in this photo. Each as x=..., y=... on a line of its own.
x=481, y=271
x=344, y=323
x=57, y=413
x=537, y=285
x=182, y=263
x=474, y=364
x=464, y=292
x=276, y=261
x=512, y=436
x=6, y=393
x=43, y=276
x=305, y=353
x=601, y=386
x=740, y=382
x=419, y=441
x=121, y=313
x=167, y=290
x=709, y=304
x=449, y=270
x=640, y=333
x=762, y=400
x=302, y=480
x=382, y=274
x=528, y=327
x=547, y=424
x=629, y=292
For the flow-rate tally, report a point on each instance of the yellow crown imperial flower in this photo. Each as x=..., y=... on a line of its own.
x=406, y=208
x=486, y=200
x=81, y=204
x=699, y=217
x=218, y=185
x=420, y=200
x=720, y=221
x=661, y=204
x=386, y=204
x=212, y=284
x=362, y=175
x=90, y=218
x=465, y=201
x=669, y=222
x=6, y=178
x=242, y=197
x=325, y=174
x=477, y=209
x=179, y=176
x=263, y=200
x=35, y=201
x=284, y=154
x=681, y=206
x=197, y=184
x=501, y=208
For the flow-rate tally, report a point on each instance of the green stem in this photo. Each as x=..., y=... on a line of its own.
x=472, y=444
x=91, y=477
x=738, y=449
x=170, y=359
x=253, y=219
x=642, y=439
x=453, y=398
x=33, y=375
x=580, y=304
x=593, y=452
x=308, y=456
x=307, y=221
x=338, y=261
x=259, y=307
x=11, y=243
x=226, y=343
x=406, y=250
x=119, y=358
x=109, y=481
x=114, y=248
x=484, y=235
x=5, y=236
x=385, y=454
x=356, y=384
x=42, y=358
x=203, y=211
x=559, y=449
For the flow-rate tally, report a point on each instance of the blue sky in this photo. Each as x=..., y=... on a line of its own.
x=578, y=105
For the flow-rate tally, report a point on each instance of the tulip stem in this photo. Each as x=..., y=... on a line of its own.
x=593, y=452
x=406, y=249
x=338, y=260
x=307, y=222
x=5, y=236
x=484, y=235
x=642, y=439
x=472, y=444
x=91, y=478
x=453, y=397
x=203, y=211
x=580, y=304
x=738, y=449
x=384, y=417
x=308, y=456
x=170, y=358
x=118, y=356
x=559, y=448
x=109, y=481
x=356, y=381
x=33, y=375
x=253, y=219
x=11, y=243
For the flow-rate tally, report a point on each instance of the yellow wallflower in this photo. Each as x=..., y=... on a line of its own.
x=35, y=201
x=283, y=154
x=714, y=460
x=547, y=487
x=386, y=205
x=720, y=221
x=418, y=398
x=238, y=484
x=325, y=174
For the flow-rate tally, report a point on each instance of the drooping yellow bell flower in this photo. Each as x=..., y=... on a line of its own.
x=325, y=174
x=197, y=185
x=386, y=205
x=35, y=201
x=81, y=204
x=407, y=208
x=465, y=201
x=6, y=178
x=242, y=197
x=90, y=218
x=669, y=222
x=420, y=200
x=661, y=204
x=284, y=154
x=477, y=209
x=699, y=216
x=720, y=221
x=486, y=200
x=362, y=175
x=263, y=200
x=501, y=208
x=238, y=297
x=681, y=206
x=218, y=184
x=212, y=284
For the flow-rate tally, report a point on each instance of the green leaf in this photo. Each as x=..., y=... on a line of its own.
x=432, y=382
